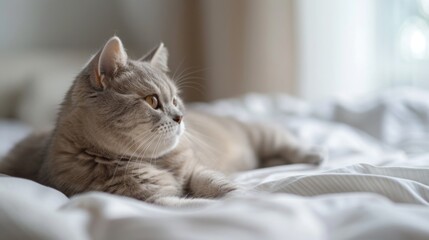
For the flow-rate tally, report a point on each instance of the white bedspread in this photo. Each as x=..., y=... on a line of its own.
x=373, y=185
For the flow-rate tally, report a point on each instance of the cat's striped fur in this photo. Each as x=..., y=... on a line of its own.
x=109, y=138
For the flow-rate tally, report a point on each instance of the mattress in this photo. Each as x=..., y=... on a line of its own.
x=373, y=184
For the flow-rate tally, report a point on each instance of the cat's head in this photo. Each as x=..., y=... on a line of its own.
x=129, y=106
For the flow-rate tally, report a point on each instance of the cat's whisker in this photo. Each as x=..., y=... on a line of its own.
x=184, y=80
x=193, y=71
x=140, y=156
x=174, y=78
x=131, y=160
x=156, y=148
x=192, y=132
x=183, y=73
x=193, y=139
x=133, y=142
x=197, y=89
x=188, y=81
x=177, y=68
x=129, y=145
x=119, y=159
x=138, y=149
x=187, y=75
x=141, y=143
x=198, y=140
x=192, y=85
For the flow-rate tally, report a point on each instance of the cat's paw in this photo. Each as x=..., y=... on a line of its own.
x=314, y=155
x=224, y=188
x=206, y=183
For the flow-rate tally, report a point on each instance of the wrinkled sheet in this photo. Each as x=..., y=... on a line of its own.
x=374, y=183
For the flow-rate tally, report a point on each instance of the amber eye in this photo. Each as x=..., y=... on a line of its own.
x=174, y=102
x=153, y=101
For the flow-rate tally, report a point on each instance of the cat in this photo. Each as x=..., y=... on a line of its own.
x=122, y=129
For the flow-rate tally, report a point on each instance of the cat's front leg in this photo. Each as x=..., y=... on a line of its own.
x=205, y=183
x=126, y=186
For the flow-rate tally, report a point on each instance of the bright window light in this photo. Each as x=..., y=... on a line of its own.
x=414, y=39
x=417, y=43
x=424, y=7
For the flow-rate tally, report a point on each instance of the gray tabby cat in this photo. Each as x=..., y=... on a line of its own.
x=121, y=130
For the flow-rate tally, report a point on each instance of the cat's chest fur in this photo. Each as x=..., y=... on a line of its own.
x=155, y=179
x=168, y=175
x=86, y=171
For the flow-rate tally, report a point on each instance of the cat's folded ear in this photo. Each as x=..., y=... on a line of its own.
x=107, y=62
x=157, y=57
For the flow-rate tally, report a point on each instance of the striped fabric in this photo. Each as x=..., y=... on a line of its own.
x=399, y=184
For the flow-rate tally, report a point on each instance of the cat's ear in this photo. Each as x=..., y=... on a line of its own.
x=108, y=61
x=157, y=57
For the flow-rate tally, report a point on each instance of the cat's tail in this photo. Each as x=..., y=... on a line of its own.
x=275, y=145
x=25, y=159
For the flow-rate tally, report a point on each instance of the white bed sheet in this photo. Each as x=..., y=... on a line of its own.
x=373, y=185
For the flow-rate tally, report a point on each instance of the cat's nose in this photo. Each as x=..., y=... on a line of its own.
x=178, y=118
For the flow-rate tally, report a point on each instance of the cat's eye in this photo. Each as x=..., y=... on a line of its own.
x=153, y=101
x=174, y=102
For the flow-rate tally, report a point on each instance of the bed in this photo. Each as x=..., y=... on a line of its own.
x=374, y=183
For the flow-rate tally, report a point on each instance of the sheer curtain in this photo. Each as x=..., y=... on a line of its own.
x=250, y=46
x=226, y=47
x=312, y=49
x=351, y=48
x=336, y=48
x=403, y=42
